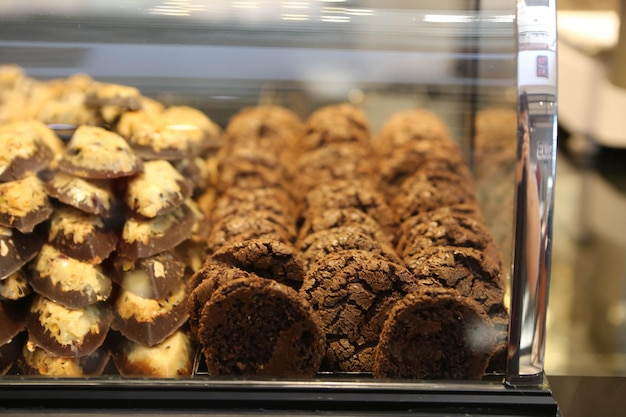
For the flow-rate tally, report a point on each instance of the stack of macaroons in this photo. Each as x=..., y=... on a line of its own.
x=104, y=229
x=244, y=306
x=29, y=148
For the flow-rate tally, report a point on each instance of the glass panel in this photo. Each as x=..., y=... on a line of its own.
x=456, y=59
x=535, y=189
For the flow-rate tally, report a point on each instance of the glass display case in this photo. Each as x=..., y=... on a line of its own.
x=277, y=205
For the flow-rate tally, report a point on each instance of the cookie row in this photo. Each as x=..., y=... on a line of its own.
x=353, y=275
x=441, y=237
x=244, y=307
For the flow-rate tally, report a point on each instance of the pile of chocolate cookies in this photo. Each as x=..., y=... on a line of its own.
x=103, y=229
x=244, y=305
x=363, y=255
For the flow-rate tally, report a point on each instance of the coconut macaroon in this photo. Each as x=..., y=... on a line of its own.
x=96, y=153
x=160, y=188
x=68, y=281
x=67, y=332
x=24, y=204
x=150, y=321
x=174, y=133
x=90, y=196
x=171, y=358
x=26, y=149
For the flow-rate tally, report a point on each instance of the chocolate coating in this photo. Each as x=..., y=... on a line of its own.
x=152, y=277
x=149, y=322
x=67, y=281
x=16, y=249
x=145, y=238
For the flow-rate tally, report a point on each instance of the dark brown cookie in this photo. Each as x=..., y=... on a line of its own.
x=204, y=282
x=353, y=291
x=152, y=277
x=406, y=160
x=412, y=125
x=96, y=153
x=268, y=127
x=245, y=159
x=335, y=123
x=90, y=196
x=171, y=358
x=356, y=194
x=158, y=189
x=24, y=204
x=469, y=271
x=67, y=332
x=434, y=334
x=265, y=257
x=38, y=361
x=317, y=221
x=419, y=195
x=317, y=245
x=16, y=249
x=148, y=321
x=444, y=228
x=80, y=235
x=255, y=225
x=338, y=161
x=258, y=327
x=242, y=202
x=68, y=281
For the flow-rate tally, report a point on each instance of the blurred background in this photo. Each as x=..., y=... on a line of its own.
x=587, y=312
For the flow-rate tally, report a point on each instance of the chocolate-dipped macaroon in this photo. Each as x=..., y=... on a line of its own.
x=68, y=281
x=96, y=153
x=24, y=210
x=80, y=235
x=152, y=277
x=149, y=321
x=67, y=332
x=16, y=249
x=173, y=357
x=144, y=238
x=37, y=361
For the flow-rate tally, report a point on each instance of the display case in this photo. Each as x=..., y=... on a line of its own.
x=320, y=205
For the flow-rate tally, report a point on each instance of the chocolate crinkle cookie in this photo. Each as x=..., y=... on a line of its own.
x=318, y=221
x=444, y=228
x=467, y=270
x=434, y=333
x=353, y=291
x=258, y=327
x=357, y=194
x=317, y=245
x=265, y=257
x=205, y=281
